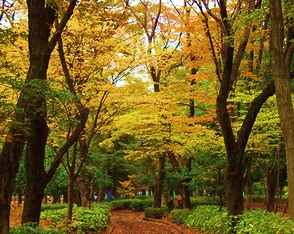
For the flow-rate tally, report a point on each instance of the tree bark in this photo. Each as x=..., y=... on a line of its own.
x=70, y=196
x=271, y=187
x=9, y=163
x=283, y=91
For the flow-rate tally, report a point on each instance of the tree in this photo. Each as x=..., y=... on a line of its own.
x=281, y=60
x=159, y=24
x=31, y=113
x=227, y=73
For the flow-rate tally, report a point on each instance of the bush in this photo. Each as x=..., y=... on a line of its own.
x=53, y=206
x=200, y=201
x=95, y=220
x=208, y=219
x=132, y=204
x=179, y=216
x=155, y=213
x=261, y=221
x=121, y=204
x=32, y=228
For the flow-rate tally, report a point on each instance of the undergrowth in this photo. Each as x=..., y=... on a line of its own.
x=208, y=219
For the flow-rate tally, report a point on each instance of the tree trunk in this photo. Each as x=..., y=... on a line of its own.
x=84, y=187
x=101, y=194
x=185, y=194
x=36, y=180
x=182, y=182
x=234, y=188
x=9, y=163
x=158, y=180
x=70, y=196
x=283, y=91
x=271, y=186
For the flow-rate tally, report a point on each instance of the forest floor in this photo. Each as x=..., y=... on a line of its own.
x=132, y=222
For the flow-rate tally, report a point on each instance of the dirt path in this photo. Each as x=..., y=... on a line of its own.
x=131, y=222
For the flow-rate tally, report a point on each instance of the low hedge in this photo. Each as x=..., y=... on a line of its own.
x=56, y=206
x=132, y=204
x=200, y=201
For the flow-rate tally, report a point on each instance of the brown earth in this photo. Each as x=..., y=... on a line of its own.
x=132, y=222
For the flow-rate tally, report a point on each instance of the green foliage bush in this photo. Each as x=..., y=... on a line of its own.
x=261, y=221
x=121, y=204
x=200, y=201
x=32, y=228
x=95, y=220
x=132, y=204
x=180, y=215
x=209, y=220
x=261, y=198
x=53, y=206
x=155, y=213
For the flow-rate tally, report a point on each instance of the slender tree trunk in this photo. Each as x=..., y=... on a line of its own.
x=271, y=186
x=158, y=185
x=70, y=196
x=283, y=91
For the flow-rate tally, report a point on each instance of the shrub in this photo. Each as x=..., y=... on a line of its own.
x=53, y=206
x=95, y=220
x=208, y=219
x=140, y=205
x=121, y=204
x=261, y=221
x=200, y=201
x=32, y=228
x=155, y=213
x=179, y=216
x=132, y=204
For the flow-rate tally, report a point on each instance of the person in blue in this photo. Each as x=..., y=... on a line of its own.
x=109, y=194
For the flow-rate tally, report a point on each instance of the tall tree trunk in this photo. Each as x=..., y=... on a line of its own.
x=13, y=146
x=283, y=91
x=36, y=178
